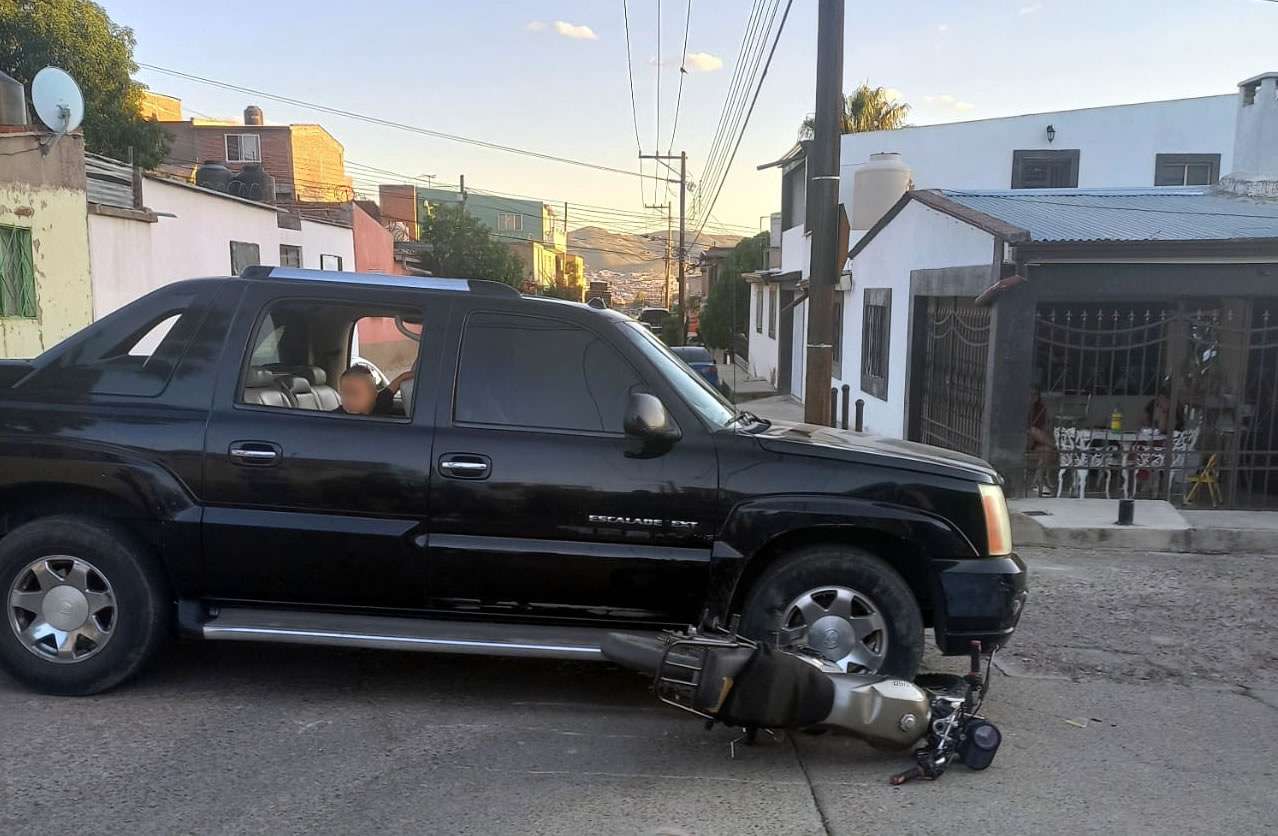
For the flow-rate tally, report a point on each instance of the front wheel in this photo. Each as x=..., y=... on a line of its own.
x=842, y=602
x=85, y=605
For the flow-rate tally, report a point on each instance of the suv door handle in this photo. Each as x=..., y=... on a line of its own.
x=465, y=465
x=254, y=453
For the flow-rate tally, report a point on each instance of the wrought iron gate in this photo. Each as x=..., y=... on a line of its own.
x=953, y=391
x=1179, y=401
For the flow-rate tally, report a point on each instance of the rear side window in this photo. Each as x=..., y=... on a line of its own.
x=540, y=373
x=134, y=351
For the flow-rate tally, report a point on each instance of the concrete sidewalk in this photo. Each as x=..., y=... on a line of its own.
x=1159, y=526
x=742, y=386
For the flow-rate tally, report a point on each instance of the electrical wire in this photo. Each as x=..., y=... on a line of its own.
x=683, y=71
x=390, y=123
x=776, y=39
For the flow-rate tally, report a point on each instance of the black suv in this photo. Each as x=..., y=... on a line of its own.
x=550, y=472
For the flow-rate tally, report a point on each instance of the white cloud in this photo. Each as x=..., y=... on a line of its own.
x=702, y=62
x=572, y=30
x=949, y=102
x=942, y=27
x=1030, y=9
x=535, y=26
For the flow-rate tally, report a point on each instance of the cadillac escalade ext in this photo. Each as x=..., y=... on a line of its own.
x=549, y=473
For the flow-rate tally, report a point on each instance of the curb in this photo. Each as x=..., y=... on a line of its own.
x=1026, y=531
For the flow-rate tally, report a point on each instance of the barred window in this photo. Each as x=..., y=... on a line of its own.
x=17, y=273
x=758, y=309
x=772, y=312
x=876, y=324
x=837, y=344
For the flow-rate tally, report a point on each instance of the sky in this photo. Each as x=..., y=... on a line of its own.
x=551, y=76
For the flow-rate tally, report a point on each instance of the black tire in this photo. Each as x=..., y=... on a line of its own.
x=139, y=621
x=812, y=567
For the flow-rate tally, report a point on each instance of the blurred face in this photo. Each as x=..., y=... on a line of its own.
x=358, y=394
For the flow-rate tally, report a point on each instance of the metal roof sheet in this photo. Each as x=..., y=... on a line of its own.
x=1150, y=214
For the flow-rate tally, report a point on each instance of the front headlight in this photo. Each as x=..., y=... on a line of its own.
x=998, y=526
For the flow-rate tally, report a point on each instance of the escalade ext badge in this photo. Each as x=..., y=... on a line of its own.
x=647, y=522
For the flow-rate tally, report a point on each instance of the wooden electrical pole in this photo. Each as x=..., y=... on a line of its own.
x=682, y=157
x=822, y=212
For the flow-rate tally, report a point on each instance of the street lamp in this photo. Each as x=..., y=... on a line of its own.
x=1051, y=134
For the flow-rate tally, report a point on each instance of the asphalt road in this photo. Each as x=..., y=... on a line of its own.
x=1139, y=696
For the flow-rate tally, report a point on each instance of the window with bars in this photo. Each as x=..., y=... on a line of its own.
x=772, y=312
x=876, y=324
x=17, y=273
x=1045, y=169
x=243, y=148
x=1186, y=169
x=758, y=309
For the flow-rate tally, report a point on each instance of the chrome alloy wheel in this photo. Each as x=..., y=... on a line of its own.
x=843, y=625
x=62, y=608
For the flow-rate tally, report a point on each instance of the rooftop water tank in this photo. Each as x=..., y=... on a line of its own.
x=253, y=183
x=253, y=115
x=876, y=186
x=213, y=175
x=13, y=102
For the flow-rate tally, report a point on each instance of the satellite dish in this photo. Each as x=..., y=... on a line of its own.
x=57, y=100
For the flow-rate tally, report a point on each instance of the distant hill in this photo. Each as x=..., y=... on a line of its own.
x=630, y=262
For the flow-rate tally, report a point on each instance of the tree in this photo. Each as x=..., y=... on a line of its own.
x=868, y=109
x=727, y=308
x=672, y=327
x=77, y=36
x=459, y=246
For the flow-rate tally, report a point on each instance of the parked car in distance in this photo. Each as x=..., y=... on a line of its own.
x=700, y=360
x=185, y=465
x=654, y=318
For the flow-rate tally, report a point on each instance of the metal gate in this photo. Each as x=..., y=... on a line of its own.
x=1162, y=399
x=954, y=359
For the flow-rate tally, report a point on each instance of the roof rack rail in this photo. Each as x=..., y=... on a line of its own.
x=477, y=286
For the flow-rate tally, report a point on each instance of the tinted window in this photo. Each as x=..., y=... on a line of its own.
x=526, y=371
x=131, y=352
x=693, y=354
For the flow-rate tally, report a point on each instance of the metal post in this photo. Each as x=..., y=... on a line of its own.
x=823, y=195
x=1126, y=512
x=860, y=415
x=834, y=407
x=847, y=394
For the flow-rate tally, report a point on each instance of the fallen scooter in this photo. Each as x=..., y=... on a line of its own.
x=725, y=678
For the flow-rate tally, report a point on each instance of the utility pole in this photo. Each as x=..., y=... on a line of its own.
x=669, y=248
x=822, y=212
x=683, y=222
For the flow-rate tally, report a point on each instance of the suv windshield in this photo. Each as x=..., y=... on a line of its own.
x=703, y=398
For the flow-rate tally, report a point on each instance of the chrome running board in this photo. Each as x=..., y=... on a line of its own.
x=393, y=633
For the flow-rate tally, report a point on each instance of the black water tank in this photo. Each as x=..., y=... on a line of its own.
x=253, y=183
x=213, y=175
x=253, y=115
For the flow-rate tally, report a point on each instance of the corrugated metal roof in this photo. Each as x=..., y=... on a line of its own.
x=1152, y=214
x=108, y=182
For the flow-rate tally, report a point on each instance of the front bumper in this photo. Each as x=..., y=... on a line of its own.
x=976, y=599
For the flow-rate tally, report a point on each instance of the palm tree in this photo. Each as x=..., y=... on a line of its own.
x=868, y=109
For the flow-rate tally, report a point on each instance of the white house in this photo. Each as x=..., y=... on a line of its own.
x=181, y=231
x=1178, y=142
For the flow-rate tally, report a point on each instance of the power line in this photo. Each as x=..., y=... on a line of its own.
x=377, y=120
x=683, y=71
x=716, y=171
x=746, y=38
x=748, y=114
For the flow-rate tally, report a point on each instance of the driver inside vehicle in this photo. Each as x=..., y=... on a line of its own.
x=360, y=396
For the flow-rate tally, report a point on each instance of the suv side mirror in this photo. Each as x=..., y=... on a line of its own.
x=648, y=421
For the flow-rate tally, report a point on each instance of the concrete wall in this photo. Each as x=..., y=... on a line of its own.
x=374, y=245
x=45, y=193
x=1117, y=145
x=763, y=349
x=192, y=238
x=918, y=238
